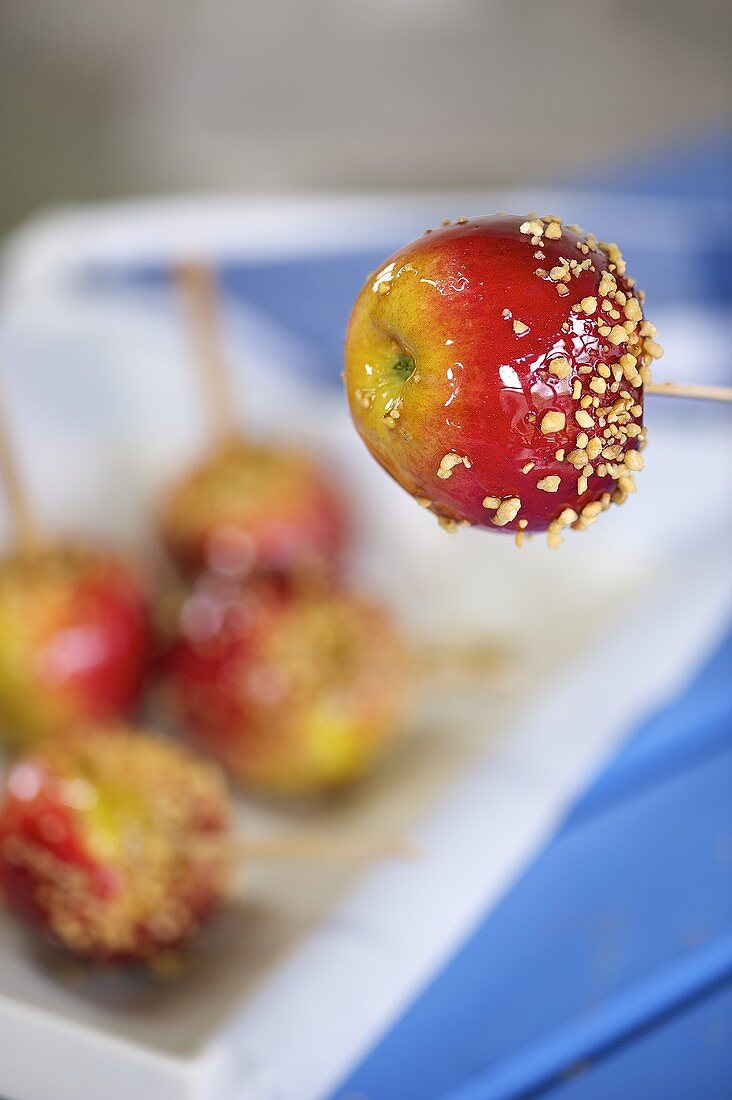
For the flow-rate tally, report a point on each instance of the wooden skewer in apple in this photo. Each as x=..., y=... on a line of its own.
x=25, y=534
x=52, y=596
x=497, y=369
x=250, y=505
x=695, y=390
x=118, y=845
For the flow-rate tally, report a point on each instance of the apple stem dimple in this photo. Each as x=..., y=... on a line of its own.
x=404, y=365
x=196, y=285
x=699, y=391
x=25, y=529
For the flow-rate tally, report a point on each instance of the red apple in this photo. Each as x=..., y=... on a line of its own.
x=251, y=507
x=106, y=843
x=74, y=641
x=495, y=368
x=295, y=690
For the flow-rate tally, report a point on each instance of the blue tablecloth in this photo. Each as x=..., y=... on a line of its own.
x=607, y=970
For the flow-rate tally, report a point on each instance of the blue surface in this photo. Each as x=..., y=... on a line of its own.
x=685, y=260
x=622, y=924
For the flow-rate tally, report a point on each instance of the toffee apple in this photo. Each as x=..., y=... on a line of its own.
x=295, y=689
x=253, y=507
x=107, y=842
x=74, y=640
x=496, y=369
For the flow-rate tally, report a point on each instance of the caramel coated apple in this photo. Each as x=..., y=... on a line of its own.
x=495, y=368
x=295, y=690
x=74, y=641
x=108, y=842
x=251, y=508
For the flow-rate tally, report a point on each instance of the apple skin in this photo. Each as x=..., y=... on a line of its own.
x=249, y=508
x=295, y=689
x=74, y=641
x=100, y=843
x=448, y=351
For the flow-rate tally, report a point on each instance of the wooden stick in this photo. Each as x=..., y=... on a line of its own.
x=25, y=531
x=690, y=389
x=475, y=660
x=298, y=848
x=197, y=287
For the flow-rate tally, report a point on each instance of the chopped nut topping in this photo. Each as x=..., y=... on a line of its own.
x=617, y=335
x=560, y=367
x=653, y=349
x=507, y=511
x=598, y=385
x=577, y=457
x=634, y=461
x=491, y=502
x=520, y=328
x=553, y=231
x=528, y=466
x=584, y=419
x=632, y=310
x=532, y=228
x=552, y=422
x=549, y=484
x=449, y=462
x=589, y=304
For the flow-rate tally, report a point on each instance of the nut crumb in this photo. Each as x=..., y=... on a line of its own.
x=507, y=511
x=553, y=422
x=449, y=461
x=560, y=367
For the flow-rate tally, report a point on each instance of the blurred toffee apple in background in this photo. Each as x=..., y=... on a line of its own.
x=299, y=689
x=496, y=369
x=74, y=636
x=249, y=506
x=116, y=845
x=100, y=842
x=295, y=689
x=253, y=508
